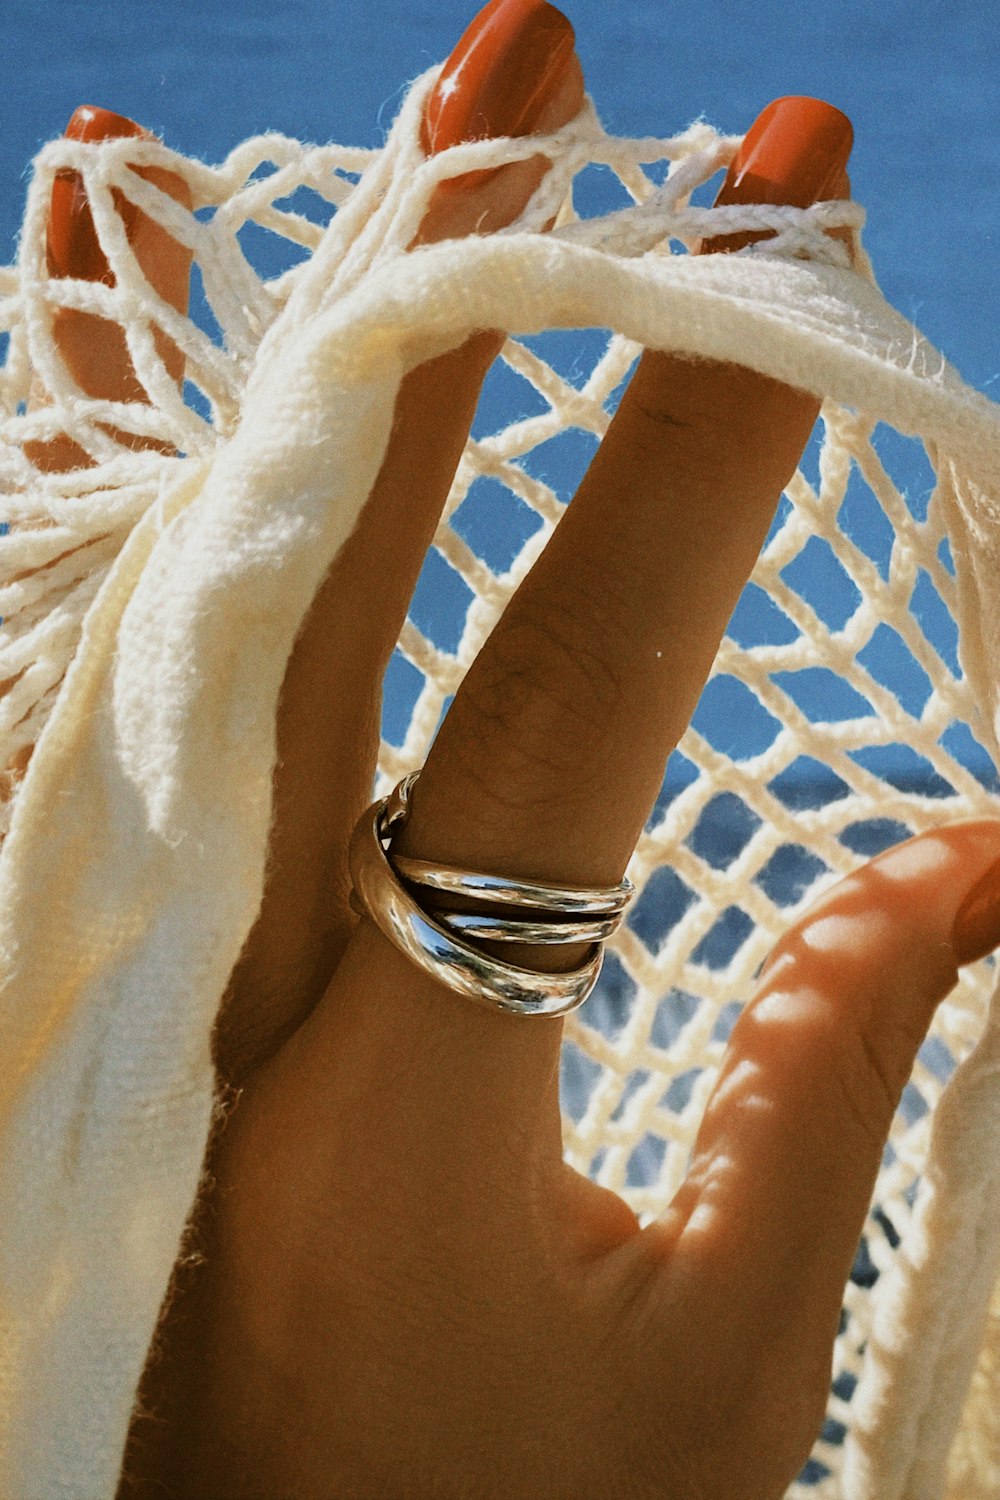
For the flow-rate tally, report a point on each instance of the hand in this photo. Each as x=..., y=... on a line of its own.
x=404, y=1291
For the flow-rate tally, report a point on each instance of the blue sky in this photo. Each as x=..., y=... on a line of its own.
x=918, y=77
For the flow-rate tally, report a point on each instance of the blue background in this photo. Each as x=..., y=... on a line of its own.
x=919, y=78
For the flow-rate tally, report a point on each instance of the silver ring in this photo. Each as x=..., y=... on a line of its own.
x=480, y=977
x=498, y=890
x=473, y=925
x=396, y=807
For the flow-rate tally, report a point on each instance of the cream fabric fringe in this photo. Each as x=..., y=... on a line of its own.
x=133, y=866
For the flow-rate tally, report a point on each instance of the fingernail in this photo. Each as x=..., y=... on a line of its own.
x=795, y=152
x=73, y=246
x=500, y=76
x=792, y=152
x=976, y=931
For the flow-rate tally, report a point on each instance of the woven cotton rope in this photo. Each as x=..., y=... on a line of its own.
x=149, y=601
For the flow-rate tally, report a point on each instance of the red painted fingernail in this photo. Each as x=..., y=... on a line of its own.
x=92, y=123
x=795, y=152
x=501, y=75
x=792, y=152
x=73, y=246
x=976, y=930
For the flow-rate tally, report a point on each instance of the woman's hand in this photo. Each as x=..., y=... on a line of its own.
x=395, y=1286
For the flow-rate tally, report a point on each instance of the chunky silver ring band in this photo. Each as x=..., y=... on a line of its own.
x=522, y=930
x=497, y=889
x=392, y=890
x=478, y=976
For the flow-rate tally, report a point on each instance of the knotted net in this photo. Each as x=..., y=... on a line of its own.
x=150, y=600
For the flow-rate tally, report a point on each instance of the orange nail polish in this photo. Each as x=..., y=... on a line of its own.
x=795, y=152
x=792, y=151
x=73, y=246
x=500, y=76
x=976, y=930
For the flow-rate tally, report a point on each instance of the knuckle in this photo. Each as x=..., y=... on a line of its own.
x=659, y=423
x=544, y=693
x=868, y=1068
x=562, y=665
x=867, y=1086
x=659, y=414
x=854, y=1071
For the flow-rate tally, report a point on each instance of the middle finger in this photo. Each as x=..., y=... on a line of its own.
x=514, y=72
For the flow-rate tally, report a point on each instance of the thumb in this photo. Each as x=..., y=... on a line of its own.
x=786, y=1160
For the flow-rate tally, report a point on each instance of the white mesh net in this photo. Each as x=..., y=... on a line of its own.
x=837, y=720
